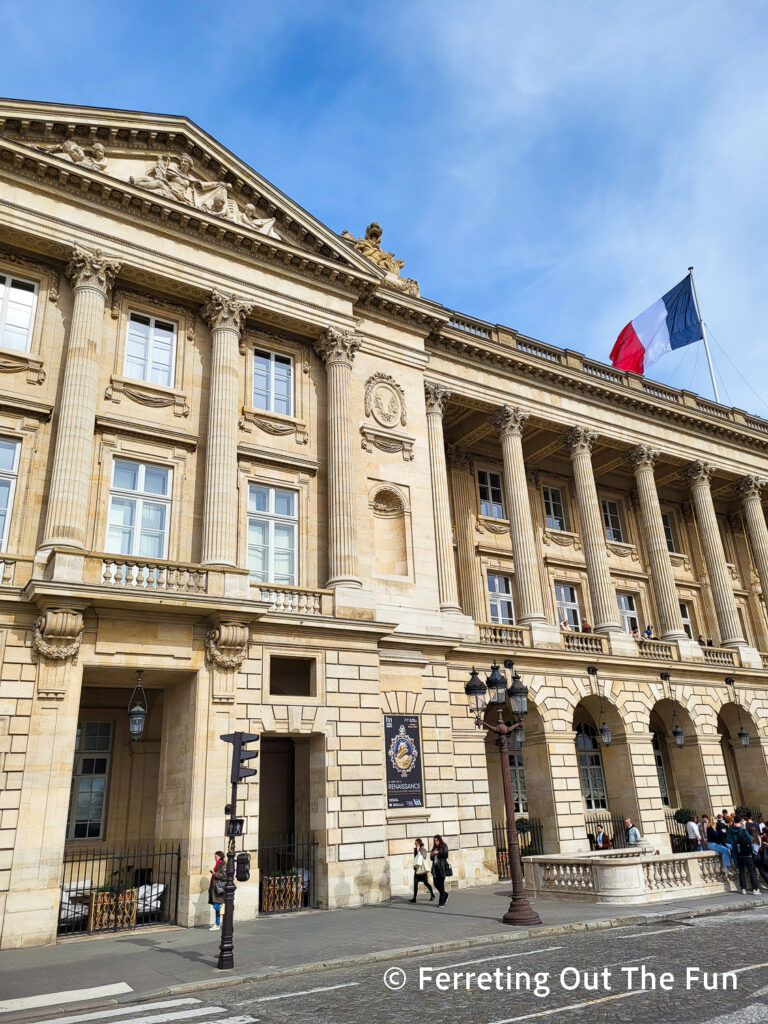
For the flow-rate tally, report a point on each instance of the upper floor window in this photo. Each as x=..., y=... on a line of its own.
x=87, y=804
x=669, y=533
x=17, y=311
x=568, y=611
x=491, y=500
x=272, y=382
x=627, y=611
x=500, y=599
x=553, y=508
x=9, y=467
x=685, y=615
x=150, y=349
x=272, y=533
x=612, y=520
x=139, y=509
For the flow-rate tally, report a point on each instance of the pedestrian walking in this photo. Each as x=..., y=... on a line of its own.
x=745, y=859
x=759, y=853
x=420, y=870
x=693, y=835
x=216, y=888
x=440, y=868
x=631, y=832
x=713, y=841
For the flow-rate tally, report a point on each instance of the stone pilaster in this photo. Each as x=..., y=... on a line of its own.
x=472, y=585
x=337, y=350
x=436, y=398
x=225, y=315
x=649, y=810
x=750, y=488
x=92, y=274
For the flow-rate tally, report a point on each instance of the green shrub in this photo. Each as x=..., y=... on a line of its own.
x=683, y=815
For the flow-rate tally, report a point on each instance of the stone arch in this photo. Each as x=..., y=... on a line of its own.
x=614, y=760
x=745, y=766
x=391, y=532
x=682, y=770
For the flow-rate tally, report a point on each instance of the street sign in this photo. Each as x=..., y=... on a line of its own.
x=235, y=827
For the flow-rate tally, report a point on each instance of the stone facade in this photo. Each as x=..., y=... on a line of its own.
x=241, y=454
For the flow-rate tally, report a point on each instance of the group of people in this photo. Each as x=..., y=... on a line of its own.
x=631, y=836
x=439, y=868
x=740, y=841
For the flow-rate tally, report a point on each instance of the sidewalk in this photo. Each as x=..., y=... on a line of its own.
x=156, y=960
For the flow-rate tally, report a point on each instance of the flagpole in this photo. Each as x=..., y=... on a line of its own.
x=704, y=337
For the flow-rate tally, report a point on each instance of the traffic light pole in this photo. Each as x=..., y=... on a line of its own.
x=226, y=959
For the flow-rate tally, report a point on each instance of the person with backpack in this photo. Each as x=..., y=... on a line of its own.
x=745, y=859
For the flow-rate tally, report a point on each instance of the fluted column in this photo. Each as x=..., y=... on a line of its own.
x=699, y=474
x=750, y=488
x=436, y=399
x=337, y=350
x=92, y=274
x=471, y=583
x=509, y=422
x=225, y=315
x=642, y=459
x=604, y=608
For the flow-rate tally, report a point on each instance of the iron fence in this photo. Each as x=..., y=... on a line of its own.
x=613, y=827
x=287, y=872
x=114, y=890
x=529, y=836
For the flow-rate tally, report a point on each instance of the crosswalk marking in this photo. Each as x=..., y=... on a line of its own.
x=123, y=1011
x=163, y=1018
x=76, y=995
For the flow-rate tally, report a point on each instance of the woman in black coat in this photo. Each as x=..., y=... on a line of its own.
x=439, y=857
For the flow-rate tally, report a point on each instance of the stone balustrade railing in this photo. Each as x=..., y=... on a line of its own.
x=293, y=600
x=719, y=655
x=656, y=649
x=587, y=643
x=142, y=574
x=764, y=659
x=503, y=636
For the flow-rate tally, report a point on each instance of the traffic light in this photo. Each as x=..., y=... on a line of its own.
x=243, y=867
x=240, y=771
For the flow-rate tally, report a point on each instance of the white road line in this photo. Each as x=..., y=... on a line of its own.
x=293, y=995
x=75, y=995
x=161, y=1018
x=80, y=1018
x=245, y=1019
x=504, y=956
x=751, y=967
x=659, y=931
x=572, y=1006
x=634, y=960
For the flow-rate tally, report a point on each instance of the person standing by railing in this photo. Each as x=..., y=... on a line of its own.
x=693, y=835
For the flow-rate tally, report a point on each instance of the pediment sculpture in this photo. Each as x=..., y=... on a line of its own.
x=176, y=179
x=370, y=246
x=71, y=150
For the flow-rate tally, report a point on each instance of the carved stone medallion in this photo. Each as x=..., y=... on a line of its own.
x=385, y=400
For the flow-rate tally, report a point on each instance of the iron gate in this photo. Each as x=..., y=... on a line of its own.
x=529, y=836
x=287, y=872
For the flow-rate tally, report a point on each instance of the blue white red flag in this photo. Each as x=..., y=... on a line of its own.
x=671, y=322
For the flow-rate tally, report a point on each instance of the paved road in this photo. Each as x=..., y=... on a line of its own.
x=589, y=977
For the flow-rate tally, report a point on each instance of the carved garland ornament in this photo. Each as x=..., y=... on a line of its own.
x=59, y=625
x=227, y=645
x=385, y=400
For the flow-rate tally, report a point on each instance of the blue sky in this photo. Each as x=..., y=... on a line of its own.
x=554, y=166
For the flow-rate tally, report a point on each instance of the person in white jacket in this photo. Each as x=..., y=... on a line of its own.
x=420, y=870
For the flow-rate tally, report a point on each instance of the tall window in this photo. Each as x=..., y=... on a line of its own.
x=17, y=311
x=553, y=508
x=517, y=775
x=272, y=382
x=659, y=759
x=612, y=520
x=150, y=348
x=627, y=611
x=90, y=773
x=491, y=501
x=590, y=767
x=9, y=467
x=139, y=509
x=685, y=615
x=669, y=533
x=500, y=599
x=567, y=601
x=272, y=530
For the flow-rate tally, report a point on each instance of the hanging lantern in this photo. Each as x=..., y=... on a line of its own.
x=679, y=735
x=743, y=735
x=475, y=690
x=137, y=710
x=605, y=732
x=497, y=686
x=518, y=695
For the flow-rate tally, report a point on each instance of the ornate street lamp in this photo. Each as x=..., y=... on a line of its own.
x=677, y=732
x=137, y=709
x=605, y=729
x=742, y=733
x=520, y=911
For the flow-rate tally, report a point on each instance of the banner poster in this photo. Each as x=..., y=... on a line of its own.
x=402, y=741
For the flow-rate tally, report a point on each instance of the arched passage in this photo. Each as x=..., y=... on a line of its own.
x=745, y=766
x=680, y=770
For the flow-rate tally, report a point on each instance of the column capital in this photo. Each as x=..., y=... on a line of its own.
x=750, y=486
x=437, y=397
x=642, y=457
x=460, y=457
x=698, y=472
x=92, y=269
x=509, y=419
x=337, y=346
x=579, y=440
x=225, y=311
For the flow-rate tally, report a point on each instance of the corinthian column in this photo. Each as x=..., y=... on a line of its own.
x=509, y=422
x=750, y=488
x=579, y=441
x=642, y=460
x=436, y=398
x=699, y=474
x=225, y=315
x=473, y=591
x=337, y=350
x=92, y=274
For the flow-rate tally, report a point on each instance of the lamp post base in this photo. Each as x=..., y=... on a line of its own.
x=521, y=913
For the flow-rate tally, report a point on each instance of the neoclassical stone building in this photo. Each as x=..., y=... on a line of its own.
x=241, y=454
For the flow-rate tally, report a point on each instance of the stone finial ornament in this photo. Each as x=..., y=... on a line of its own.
x=370, y=247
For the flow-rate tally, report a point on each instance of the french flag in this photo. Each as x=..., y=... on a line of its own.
x=671, y=322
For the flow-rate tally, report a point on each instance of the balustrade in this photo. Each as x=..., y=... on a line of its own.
x=655, y=649
x=502, y=636
x=293, y=600
x=719, y=656
x=138, y=574
x=588, y=643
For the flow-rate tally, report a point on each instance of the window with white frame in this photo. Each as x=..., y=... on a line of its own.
x=272, y=382
x=517, y=775
x=591, y=767
x=627, y=611
x=612, y=520
x=685, y=615
x=150, y=349
x=90, y=774
x=568, y=611
x=500, y=599
x=658, y=757
x=139, y=509
x=491, y=500
x=9, y=468
x=272, y=534
x=669, y=533
x=553, y=508
x=17, y=312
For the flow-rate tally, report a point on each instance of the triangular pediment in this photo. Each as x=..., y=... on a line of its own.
x=167, y=161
